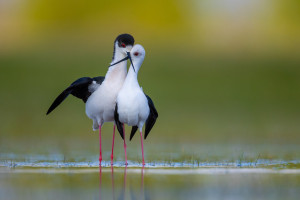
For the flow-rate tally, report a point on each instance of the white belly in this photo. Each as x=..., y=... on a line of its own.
x=132, y=108
x=100, y=105
x=128, y=114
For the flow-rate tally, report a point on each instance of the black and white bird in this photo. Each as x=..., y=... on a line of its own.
x=99, y=93
x=133, y=107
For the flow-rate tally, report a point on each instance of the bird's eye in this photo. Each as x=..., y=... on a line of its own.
x=136, y=53
x=123, y=45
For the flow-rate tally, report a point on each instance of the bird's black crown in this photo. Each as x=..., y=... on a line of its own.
x=125, y=38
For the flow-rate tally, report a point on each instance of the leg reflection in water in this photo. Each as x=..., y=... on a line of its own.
x=112, y=182
x=100, y=180
x=142, y=182
x=122, y=195
x=140, y=192
x=122, y=184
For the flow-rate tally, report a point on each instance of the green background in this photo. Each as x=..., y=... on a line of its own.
x=224, y=76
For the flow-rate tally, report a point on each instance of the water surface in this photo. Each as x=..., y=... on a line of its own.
x=38, y=179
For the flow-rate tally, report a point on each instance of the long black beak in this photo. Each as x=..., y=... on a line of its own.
x=126, y=58
x=129, y=57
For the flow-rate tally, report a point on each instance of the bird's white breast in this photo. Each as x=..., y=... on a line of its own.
x=100, y=105
x=133, y=106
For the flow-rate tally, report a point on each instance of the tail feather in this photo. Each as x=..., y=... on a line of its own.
x=133, y=130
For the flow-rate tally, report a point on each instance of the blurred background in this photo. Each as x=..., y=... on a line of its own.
x=224, y=76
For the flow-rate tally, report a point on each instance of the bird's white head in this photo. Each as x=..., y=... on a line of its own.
x=137, y=54
x=122, y=45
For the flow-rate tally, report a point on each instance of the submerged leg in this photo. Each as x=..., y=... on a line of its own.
x=100, y=155
x=112, y=149
x=124, y=145
x=142, y=147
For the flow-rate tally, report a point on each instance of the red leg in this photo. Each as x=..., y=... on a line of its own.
x=142, y=147
x=112, y=149
x=124, y=145
x=100, y=155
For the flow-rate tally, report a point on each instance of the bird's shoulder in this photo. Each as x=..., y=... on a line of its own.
x=83, y=87
x=96, y=82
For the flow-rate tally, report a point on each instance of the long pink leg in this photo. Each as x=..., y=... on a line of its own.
x=112, y=149
x=125, y=145
x=100, y=155
x=142, y=147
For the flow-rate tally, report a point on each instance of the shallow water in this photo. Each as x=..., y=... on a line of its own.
x=39, y=179
x=138, y=183
x=184, y=171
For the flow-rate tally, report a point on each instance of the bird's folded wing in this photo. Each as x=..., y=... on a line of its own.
x=118, y=123
x=153, y=115
x=150, y=120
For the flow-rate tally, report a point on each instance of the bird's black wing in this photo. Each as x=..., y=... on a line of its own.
x=84, y=87
x=79, y=89
x=99, y=79
x=118, y=123
x=151, y=118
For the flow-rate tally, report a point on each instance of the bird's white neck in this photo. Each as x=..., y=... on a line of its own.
x=131, y=78
x=117, y=56
x=117, y=73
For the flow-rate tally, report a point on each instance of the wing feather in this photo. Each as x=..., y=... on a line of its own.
x=117, y=121
x=79, y=89
x=153, y=115
x=133, y=130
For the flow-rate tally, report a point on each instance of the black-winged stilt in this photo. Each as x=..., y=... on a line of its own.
x=100, y=93
x=133, y=107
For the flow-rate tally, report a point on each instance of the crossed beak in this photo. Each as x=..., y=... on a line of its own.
x=129, y=57
x=126, y=58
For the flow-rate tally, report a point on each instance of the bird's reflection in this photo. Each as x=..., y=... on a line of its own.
x=112, y=182
x=142, y=193
x=124, y=185
x=100, y=180
x=122, y=195
x=142, y=182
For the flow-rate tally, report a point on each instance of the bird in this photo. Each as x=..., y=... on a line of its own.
x=99, y=93
x=133, y=106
